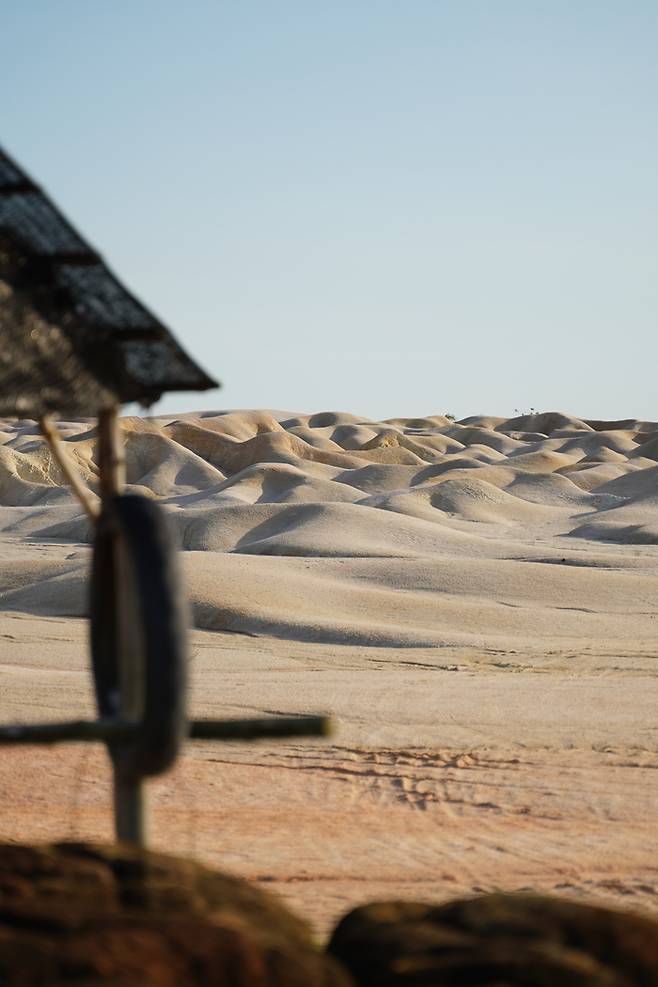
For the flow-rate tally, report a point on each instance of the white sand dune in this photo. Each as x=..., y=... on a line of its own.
x=476, y=602
x=438, y=499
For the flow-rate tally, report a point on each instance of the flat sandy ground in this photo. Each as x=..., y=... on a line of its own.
x=475, y=604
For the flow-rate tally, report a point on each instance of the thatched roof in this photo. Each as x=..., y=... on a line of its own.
x=73, y=340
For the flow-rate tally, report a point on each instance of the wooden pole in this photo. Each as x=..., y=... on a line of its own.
x=114, y=731
x=129, y=810
x=111, y=460
x=81, y=491
x=129, y=794
x=129, y=798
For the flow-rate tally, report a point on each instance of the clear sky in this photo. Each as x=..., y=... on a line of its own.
x=391, y=207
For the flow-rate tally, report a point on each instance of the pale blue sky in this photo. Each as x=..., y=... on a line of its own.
x=391, y=208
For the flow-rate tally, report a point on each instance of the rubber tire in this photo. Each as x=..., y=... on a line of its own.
x=160, y=615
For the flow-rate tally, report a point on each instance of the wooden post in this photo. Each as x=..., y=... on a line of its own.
x=124, y=725
x=129, y=799
x=129, y=811
x=111, y=461
x=115, y=731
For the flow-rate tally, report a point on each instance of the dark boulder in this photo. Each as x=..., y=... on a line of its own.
x=499, y=940
x=88, y=915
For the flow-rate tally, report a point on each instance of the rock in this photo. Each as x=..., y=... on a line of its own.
x=501, y=939
x=83, y=914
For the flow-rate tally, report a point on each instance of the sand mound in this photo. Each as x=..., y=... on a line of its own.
x=433, y=423
x=461, y=595
x=29, y=478
x=555, y=490
x=477, y=500
x=64, y=594
x=286, y=520
x=161, y=465
x=280, y=482
x=472, y=435
x=635, y=483
x=326, y=530
x=279, y=447
x=239, y=425
x=617, y=531
x=632, y=424
x=322, y=419
x=648, y=449
x=482, y=421
x=589, y=477
x=545, y=423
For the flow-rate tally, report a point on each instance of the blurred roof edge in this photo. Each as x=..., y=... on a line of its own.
x=74, y=339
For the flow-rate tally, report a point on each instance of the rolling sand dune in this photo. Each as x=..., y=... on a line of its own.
x=475, y=601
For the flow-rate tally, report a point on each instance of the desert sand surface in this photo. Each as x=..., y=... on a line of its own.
x=474, y=602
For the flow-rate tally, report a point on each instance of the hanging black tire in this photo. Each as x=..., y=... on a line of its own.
x=142, y=619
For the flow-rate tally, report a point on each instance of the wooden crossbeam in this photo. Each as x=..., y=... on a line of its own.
x=130, y=809
x=115, y=731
